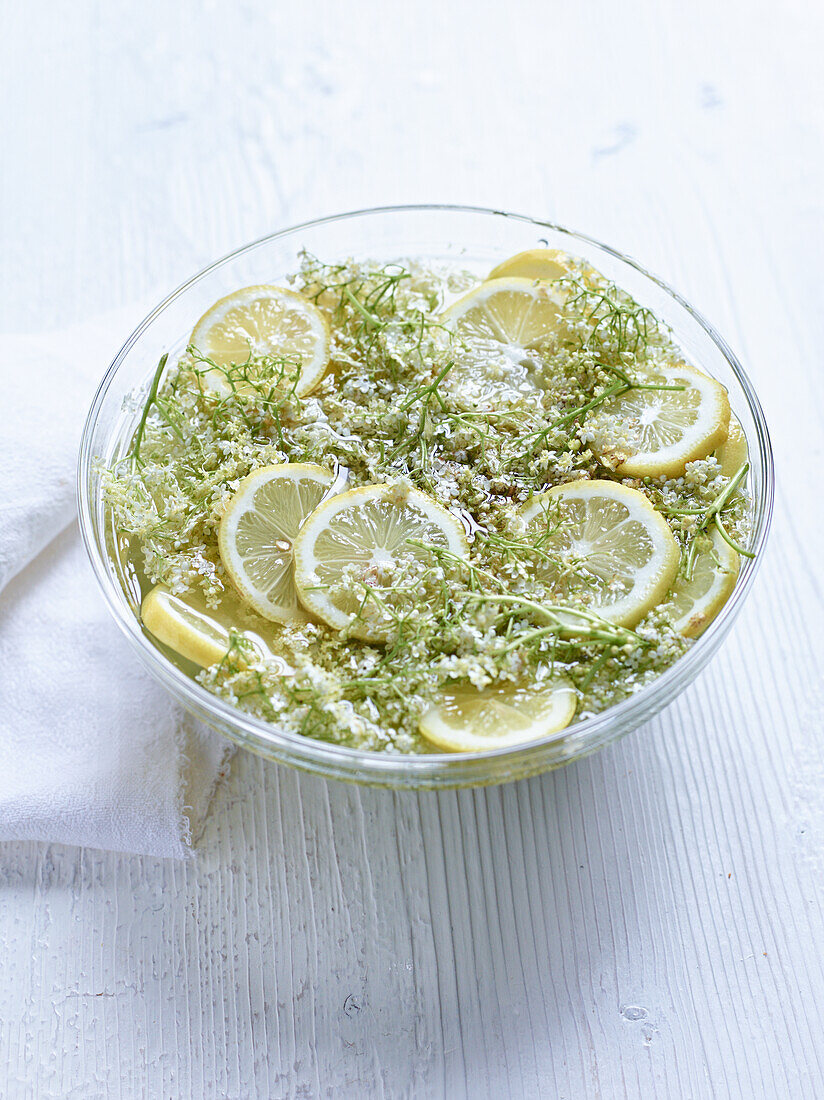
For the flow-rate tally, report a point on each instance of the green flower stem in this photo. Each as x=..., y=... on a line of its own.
x=368, y=316
x=150, y=401
x=725, y=535
x=616, y=389
x=712, y=514
x=592, y=626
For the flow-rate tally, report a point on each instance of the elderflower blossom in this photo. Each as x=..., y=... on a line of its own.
x=407, y=406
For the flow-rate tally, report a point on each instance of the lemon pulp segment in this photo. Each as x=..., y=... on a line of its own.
x=258, y=530
x=262, y=321
x=656, y=432
x=607, y=548
x=497, y=330
x=696, y=602
x=466, y=719
x=358, y=535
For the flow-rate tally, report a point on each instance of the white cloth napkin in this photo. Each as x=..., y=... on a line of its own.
x=92, y=751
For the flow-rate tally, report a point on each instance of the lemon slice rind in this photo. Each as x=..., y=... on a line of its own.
x=733, y=452
x=498, y=329
x=257, y=533
x=535, y=263
x=523, y=315
x=263, y=320
x=330, y=539
x=184, y=629
x=697, y=601
x=669, y=416
x=620, y=508
x=192, y=629
x=470, y=720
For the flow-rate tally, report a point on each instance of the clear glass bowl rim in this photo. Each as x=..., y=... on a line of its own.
x=435, y=770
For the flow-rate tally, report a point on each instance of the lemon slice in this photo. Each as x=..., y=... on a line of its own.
x=498, y=330
x=535, y=263
x=696, y=602
x=607, y=548
x=258, y=321
x=733, y=452
x=192, y=629
x=468, y=720
x=354, y=538
x=258, y=530
x=650, y=433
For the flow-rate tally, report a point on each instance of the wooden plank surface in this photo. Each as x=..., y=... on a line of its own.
x=646, y=923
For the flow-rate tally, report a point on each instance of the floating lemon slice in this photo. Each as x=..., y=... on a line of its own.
x=650, y=433
x=262, y=321
x=733, y=452
x=498, y=329
x=535, y=263
x=192, y=629
x=355, y=536
x=696, y=602
x=607, y=548
x=258, y=531
x=468, y=720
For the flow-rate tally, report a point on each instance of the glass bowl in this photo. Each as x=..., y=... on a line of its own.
x=477, y=239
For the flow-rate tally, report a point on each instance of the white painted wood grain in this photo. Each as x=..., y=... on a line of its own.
x=646, y=923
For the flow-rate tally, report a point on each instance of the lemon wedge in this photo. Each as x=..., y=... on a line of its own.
x=498, y=329
x=535, y=263
x=733, y=452
x=262, y=321
x=258, y=530
x=192, y=629
x=605, y=546
x=466, y=719
x=696, y=602
x=656, y=432
x=352, y=538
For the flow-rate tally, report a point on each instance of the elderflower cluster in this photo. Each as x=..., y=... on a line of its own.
x=402, y=406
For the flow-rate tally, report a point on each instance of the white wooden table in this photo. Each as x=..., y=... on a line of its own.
x=646, y=923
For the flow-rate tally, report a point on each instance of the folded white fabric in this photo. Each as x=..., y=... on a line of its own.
x=92, y=751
